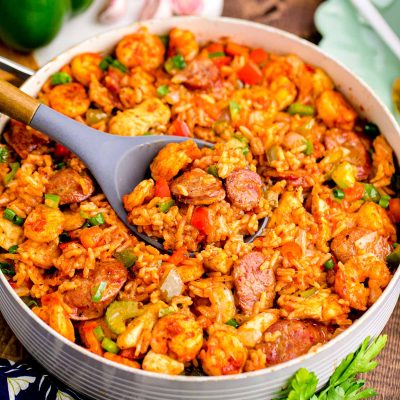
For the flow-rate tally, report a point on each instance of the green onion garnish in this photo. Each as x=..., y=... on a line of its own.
x=98, y=292
x=105, y=63
x=232, y=322
x=245, y=151
x=330, y=264
x=126, y=257
x=110, y=346
x=162, y=90
x=395, y=245
x=165, y=206
x=9, y=214
x=301, y=109
x=60, y=78
x=384, y=201
x=234, y=109
x=175, y=62
x=118, y=65
x=216, y=54
x=60, y=165
x=13, y=249
x=18, y=220
x=213, y=170
x=309, y=148
x=307, y=293
x=99, y=333
x=165, y=311
x=98, y=219
x=371, y=129
x=164, y=39
x=7, y=269
x=51, y=200
x=338, y=193
x=14, y=168
x=4, y=153
x=371, y=193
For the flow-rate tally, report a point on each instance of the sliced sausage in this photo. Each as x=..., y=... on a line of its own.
x=251, y=282
x=113, y=273
x=295, y=338
x=23, y=139
x=197, y=187
x=244, y=188
x=355, y=241
x=70, y=185
x=199, y=74
x=294, y=178
x=358, y=154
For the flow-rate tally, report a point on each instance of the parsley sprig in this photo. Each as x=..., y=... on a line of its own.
x=343, y=384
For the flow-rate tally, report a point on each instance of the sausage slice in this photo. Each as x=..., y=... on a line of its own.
x=251, y=282
x=244, y=188
x=71, y=186
x=295, y=338
x=198, y=188
x=113, y=273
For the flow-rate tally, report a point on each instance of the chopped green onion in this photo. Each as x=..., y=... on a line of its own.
x=162, y=90
x=309, y=148
x=272, y=154
x=393, y=259
x=165, y=206
x=307, y=293
x=18, y=220
x=13, y=249
x=232, y=322
x=110, y=346
x=118, y=65
x=99, y=333
x=175, y=62
x=234, y=109
x=164, y=39
x=344, y=175
x=371, y=193
x=14, y=168
x=241, y=139
x=301, y=109
x=166, y=311
x=60, y=165
x=7, y=269
x=245, y=151
x=60, y=78
x=384, y=201
x=51, y=200
x=216, y=54
x=126, y=257
x=118, y=312
x=395, y=245
x=98, y=219
x=105, y=63
x=9, y=214
x=64, y=237
x=29, y=301
x=98, y=291
x=147, y=133
x=371, y=129
x=338, y=193
x=4, y=153
x=213, y=170
x=330, y=264
x=86, y=225
x=95, y=115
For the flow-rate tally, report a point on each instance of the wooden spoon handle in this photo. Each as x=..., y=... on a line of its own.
x=17, y=104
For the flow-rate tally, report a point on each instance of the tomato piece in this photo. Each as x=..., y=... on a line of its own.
x=235, y=49
x=201, y=220
x=178, y=256
x=215, y=48
x=162, y=188
x=354, y=193
x=258, y=55
x=221, y=61
x=291, y=250
x=250, y=74
x=181, y=128
x=92, y=237
x=61, y=151
x=394, y=208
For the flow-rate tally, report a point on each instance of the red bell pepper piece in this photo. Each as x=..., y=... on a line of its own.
x=162, y=188
x=61, y=151
x=394, y=208
x=250, y=74
x=258, y=55
x=201, y=220
x=178, y=256
x=181, y=128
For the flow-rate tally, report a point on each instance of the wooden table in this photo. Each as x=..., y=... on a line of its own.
x=295, y=16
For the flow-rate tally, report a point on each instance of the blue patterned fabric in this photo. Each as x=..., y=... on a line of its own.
x=22, y=381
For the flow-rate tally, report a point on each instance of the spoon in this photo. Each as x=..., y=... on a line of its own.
x=118, y=163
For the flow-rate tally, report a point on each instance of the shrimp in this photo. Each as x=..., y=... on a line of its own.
x=162, y=364
x=334, y=110
x=178, y=335
x=172, y=158
x=138, y=331
x=42, y=255
x=69, y=99
x=143, y=191
x=284, y=91
x=183, y=42
x=351, y=275
x=88, y=337
x=139, y=120
x=100, y=95
x=10, y=234
x=251, y=332
x=44, y=224
x=141, y=48
x=223, y=353
x=86, y=65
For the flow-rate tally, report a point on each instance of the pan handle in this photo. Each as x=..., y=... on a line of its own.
x=16, y=69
